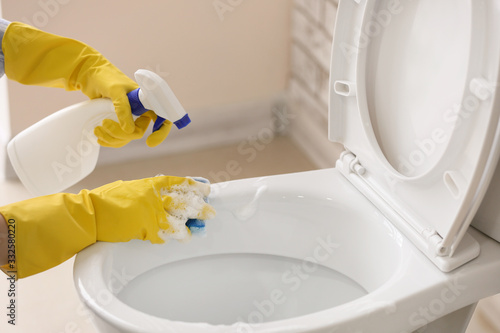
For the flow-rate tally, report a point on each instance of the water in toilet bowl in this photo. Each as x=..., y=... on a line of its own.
x=238, y=287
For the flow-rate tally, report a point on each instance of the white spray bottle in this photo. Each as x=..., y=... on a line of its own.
x=61, y=149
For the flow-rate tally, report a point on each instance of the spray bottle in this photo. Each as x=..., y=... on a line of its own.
x=61, y=149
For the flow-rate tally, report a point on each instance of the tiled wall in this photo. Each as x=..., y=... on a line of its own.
x=312, y=33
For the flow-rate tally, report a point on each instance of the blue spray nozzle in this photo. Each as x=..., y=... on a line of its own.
x=183, y=122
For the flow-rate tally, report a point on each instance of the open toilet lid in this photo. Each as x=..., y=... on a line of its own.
x=414, y=99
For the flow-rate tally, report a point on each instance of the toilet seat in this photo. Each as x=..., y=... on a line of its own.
x=419, y=116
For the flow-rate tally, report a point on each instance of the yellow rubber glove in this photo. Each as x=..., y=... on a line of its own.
x=35, y=57
x=110, y=134
x=51, y=229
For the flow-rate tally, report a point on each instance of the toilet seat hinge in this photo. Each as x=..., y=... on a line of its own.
x=434, y=241
x=350, y=163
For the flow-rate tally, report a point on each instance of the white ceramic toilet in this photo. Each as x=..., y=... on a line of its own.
x=382, y=242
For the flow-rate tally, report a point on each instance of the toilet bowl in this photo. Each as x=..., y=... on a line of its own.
x=300, y=259
x=383, y=242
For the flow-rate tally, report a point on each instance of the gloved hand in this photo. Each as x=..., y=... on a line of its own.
x=35, y=57
x=110, y=134
x=51, y=229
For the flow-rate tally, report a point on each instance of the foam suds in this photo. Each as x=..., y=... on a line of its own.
x=187, y=201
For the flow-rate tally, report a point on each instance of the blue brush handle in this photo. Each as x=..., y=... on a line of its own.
x=138, y=109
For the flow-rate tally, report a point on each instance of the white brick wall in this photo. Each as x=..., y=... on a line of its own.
x=312, y=32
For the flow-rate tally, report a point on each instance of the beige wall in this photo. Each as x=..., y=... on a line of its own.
x=209, y=57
